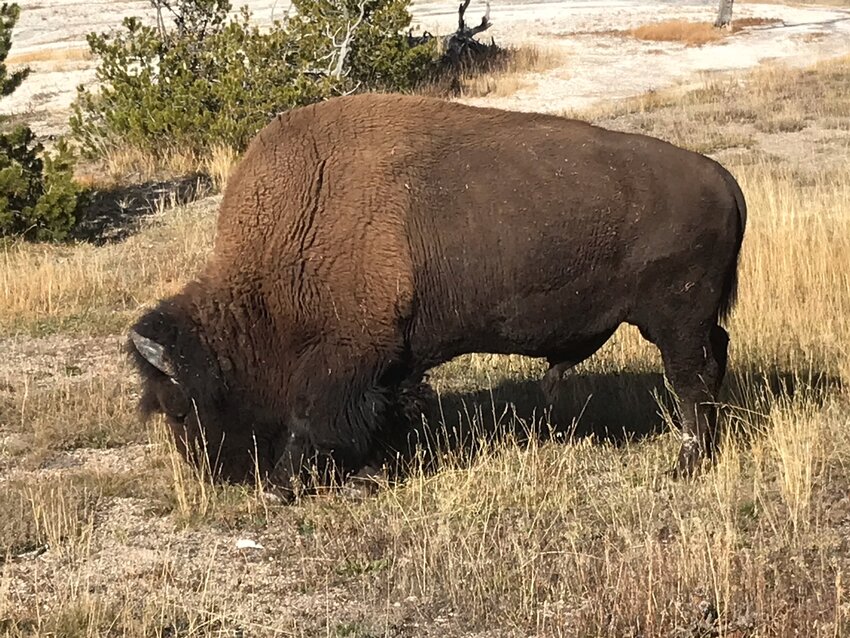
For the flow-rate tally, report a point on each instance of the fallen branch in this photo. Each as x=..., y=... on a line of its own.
x=462, y=44
x=461, y=49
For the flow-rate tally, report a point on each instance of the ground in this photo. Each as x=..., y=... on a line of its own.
x=542, y=522
x=594, y=63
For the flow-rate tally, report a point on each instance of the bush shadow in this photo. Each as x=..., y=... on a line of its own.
x=114, y=214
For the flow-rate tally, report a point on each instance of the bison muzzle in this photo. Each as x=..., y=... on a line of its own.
x=366, y=239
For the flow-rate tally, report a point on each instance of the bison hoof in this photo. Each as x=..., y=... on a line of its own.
x=366, y=482
x=279, y=495
x=282, y=489
x=690, y=463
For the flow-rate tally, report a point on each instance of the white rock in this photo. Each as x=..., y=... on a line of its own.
x=247, y=543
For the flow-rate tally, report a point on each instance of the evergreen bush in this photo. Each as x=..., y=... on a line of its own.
x=38, y=196
x=211, y=80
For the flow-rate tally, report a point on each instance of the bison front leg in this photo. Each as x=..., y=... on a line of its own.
x=329, y=437
x=289, y=476
x=303, y=467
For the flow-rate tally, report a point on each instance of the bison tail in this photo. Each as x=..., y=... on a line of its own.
x=730, y=282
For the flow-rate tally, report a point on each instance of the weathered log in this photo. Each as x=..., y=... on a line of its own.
x=460, y=45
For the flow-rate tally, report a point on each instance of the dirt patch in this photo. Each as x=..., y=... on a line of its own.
x=44, y=361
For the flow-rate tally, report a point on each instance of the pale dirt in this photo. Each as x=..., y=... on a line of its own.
x=595, y=67
x=45, y=359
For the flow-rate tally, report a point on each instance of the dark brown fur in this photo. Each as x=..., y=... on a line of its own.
x=366, y=239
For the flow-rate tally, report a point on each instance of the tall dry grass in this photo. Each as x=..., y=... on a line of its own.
x=508, y=72
x=771, y=99
x=97, y=289
x=135, y=165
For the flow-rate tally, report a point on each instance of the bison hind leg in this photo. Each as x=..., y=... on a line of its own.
x=695, y=365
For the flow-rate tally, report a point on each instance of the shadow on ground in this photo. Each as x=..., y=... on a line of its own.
x=610, y=409
x=115, y=214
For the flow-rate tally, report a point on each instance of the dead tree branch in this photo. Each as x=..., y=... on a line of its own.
x=461, y=51
x=461, y=47
x=337, y=68
x=485, y=20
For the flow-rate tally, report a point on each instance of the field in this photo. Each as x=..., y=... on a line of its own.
x=539, y=522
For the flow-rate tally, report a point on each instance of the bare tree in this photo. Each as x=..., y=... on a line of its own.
x=340, y=40
x=724, y=16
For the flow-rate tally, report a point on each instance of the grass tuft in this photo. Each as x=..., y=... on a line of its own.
x=694, y=33
x=56, y=58
x=689, y=33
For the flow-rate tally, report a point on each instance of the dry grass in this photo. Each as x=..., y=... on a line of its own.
x=130, y=165
x=693, y=33
x=690, y=33
x=528, y=536
x=46, y=513
x=51, y=521
x=90, y=289
x=56, y=57
x=65, y=415
x=731, y=111
x=503, y=75
x=219, y=164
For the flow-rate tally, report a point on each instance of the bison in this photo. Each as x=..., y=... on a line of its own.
x=363, y=240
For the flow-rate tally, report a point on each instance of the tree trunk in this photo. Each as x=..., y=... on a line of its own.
x=724, y=17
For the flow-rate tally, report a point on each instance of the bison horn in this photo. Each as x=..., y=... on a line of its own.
x=154, y=353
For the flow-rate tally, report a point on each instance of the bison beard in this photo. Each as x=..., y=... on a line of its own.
x=358, y=246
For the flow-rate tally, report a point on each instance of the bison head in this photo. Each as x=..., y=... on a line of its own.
x=209, y=414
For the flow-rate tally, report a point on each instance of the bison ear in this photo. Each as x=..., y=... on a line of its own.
x=154, y=353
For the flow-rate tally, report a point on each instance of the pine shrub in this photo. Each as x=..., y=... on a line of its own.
x=211, y=80
x=38, y=196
